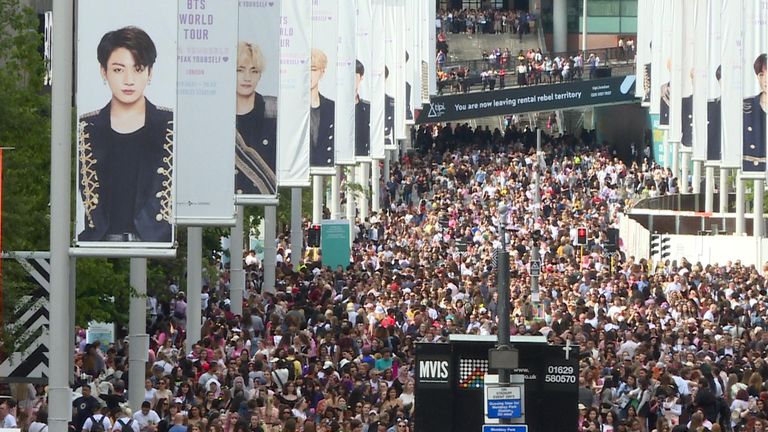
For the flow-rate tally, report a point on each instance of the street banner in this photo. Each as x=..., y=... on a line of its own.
x=206, y=159
x=754, y=94
x=655, y=47
x=714, y=83
x=676, y=81
x=363, y=81
x=665, y=64
x=391, y=27
x=688, y=46
x=293, y=109
x=412, y=57
x=732, y=58
x=323, y=87
x=335, y=243
x=125, y=134
x=345, y=80
x=701, y=72
x=257, y=102
x=380, y=129
x=464, y=106
x=429, y=38
x=401, y=88
x=645, y=18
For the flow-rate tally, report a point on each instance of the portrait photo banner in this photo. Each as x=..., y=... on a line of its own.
x=529, y=99
x=666, y=41
x=205, y=160
x=701, y=71
x=754, y=89
x=733, y=64
x=257, y=90
x=293, y=124
x=125, y=160
x=363, y=80
x=323, y=86
x=345, y=80
x=379, y=99
x=714, y=82
x=390, y=76
x=644, y=40
x=401, y=102
x=656, y=59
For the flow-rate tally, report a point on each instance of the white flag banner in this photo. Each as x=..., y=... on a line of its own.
x=380, y=101
x=293, y=108
x=401, y=99
x=125, y=136
x=688, y=48
x=410, y=43
x=664, y=67
x=732, y=55
x=345, y=81
x=258, y=85
x=207, y=53
x=391, y=27
x=430, y=50
x=363, y=81
x=645, y=18
x=701, y=72
x=323, y=87
x=677, y=84
x=714, y=82
x=754, y=94
x=659, y=6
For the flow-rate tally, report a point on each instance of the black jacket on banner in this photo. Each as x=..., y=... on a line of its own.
x=713, y=130
x=754, y=136
x=321, y=152
x=389, y=120
x=256, y=148
x=687, y=118
x=363, y=128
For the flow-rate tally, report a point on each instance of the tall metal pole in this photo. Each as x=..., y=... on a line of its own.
x=297, y=231
x=723, y=190
x=350, y=208
x=270, y=250
x=195, y=285
x=584, y=28
x=317, y=199
x=59, y=393
x=709, y=189
x=138, y=339
x=684, y=184
x=740, y=221
x=236, y=273
x=72, y=309
x=364, y=181
x=696, y=176
x=502, y=287
x=335, y=195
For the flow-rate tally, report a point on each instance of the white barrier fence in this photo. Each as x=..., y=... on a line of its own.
x=705, y=249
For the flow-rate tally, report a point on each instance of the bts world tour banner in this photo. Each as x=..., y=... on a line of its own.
x=755, y=95
x=323, y=86
x=126, y=103
x=363, y=81
x=293, y=109
x=257, y=88
x=205, y=159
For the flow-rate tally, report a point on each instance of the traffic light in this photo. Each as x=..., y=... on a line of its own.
x=665, y=248
x=581, y=236
x=655, y=245
x=313, y=236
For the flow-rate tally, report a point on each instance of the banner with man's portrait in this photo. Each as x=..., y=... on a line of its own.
x=733, y=59
x=363, y=80
x=126, y=104
x=701, y=72
x=323, y=86
x=401, y=86
x=257, y=67
x=345, y=79
x=664, y=67
x=205, y=161
x=293, y=127
x=714, y=82
x=754, y=92
x=380, y=132
x=645, y=16
x=428, y=39
x=391, y=28
x=410, y=14
x=688, y=48
x=656, y=58
x=675, y=64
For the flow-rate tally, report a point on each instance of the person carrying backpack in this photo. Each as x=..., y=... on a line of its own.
x=98, y=422
x=125, y=422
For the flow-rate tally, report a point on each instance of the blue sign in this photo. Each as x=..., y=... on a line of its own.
x=504, y=408
x=505, y=428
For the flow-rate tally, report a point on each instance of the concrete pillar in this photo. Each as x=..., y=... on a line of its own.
x=195, y=285
x=350, y=208
x=270, y=251
x=138, y=340
x=740, y=218
x=709, y=193
x=723, y=190
x=559, y=26
x=684, y=172
x=317, y=199
x=675, y=163
x=236, y=273
x=375, y=190
x=364, y=181
x=335, y=192
x=697, y=176
x=297, y=231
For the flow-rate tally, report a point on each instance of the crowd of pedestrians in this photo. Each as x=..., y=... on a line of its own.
x=662, y=346
x=489, y=21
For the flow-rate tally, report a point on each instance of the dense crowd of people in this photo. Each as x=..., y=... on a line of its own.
x=489, y=21
x=667, y=346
